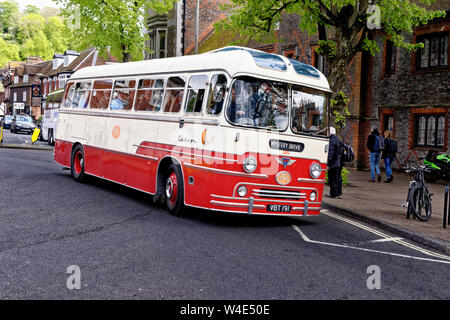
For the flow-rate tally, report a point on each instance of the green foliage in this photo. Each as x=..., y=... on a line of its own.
x=339, y=109
x=255, y=19
x=344, y=175
x=9, y=12
x=31, y=34
x=8, y=51
x=31, y=9
x=114, y=24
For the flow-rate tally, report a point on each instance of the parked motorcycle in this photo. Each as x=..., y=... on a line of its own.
x=438, y=165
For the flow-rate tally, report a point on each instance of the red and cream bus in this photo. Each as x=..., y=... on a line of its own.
x=235, y=130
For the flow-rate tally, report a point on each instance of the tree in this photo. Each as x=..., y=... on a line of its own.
x=42, y=37
x=9, y=12
x=349, y=21
x=31, y=9
x=115, y=24
x=8, y=51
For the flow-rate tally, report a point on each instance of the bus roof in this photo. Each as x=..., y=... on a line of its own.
x=236, y=61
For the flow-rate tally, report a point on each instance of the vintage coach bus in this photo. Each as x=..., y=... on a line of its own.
x=235, y=130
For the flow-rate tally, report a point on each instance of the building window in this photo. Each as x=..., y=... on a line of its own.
x=389, y=123
x=16, y=79
x=24, y=96
x=430, y=130
x=391, y=57
x=25, y=78
x=321, y=64
x=15, y=96
x=435, y=51
x=158, y=44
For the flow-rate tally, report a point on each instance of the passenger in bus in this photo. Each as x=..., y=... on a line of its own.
x=143, y=100
x=121, y=100
x=84, y=99
x=103, y=100
x=218, y=98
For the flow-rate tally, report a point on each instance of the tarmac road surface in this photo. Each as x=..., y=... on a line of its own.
x=126, y=247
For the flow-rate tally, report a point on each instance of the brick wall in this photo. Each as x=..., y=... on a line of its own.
x=408, y=92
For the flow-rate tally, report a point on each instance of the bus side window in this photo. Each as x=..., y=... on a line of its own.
x=69, y=95
x=81, y=95
x=173, y=98
x=101, y=94
x=123, y=95
x=196, y=92
x=149, y=95
x=217, y=89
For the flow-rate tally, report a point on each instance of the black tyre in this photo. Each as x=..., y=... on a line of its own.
x=51, y=139
x=430, y=177
x=420, y=203
x=174, y=190
x=77, y=164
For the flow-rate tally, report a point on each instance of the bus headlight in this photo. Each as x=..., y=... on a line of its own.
x=242, y=191
x=313, y=196
x=250, y=164
x=315, y=170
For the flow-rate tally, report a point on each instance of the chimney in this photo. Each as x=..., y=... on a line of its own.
x=33, y=60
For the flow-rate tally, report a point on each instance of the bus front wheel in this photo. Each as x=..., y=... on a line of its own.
x=77, y=164
x=174, y=190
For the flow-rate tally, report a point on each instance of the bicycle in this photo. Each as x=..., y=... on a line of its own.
x=418, y=200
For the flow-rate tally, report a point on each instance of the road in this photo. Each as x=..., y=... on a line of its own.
x=126, y=247
x=20, y=138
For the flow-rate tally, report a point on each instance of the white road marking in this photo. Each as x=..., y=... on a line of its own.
x=385, y=236
x=305, y=238
x=382, y=240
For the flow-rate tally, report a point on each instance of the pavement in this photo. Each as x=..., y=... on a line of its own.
x=380, y=204
x=22, y=141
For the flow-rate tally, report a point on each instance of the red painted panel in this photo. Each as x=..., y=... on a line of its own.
x=141, y=173
x=113, y=166
x=63, y=151
x=93, y=161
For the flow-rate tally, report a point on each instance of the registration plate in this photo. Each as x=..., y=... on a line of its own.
x=278, y=208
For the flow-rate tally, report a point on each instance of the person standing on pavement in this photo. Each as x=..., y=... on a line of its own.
x=335, y=164
x=375, y=146
x=388, y=155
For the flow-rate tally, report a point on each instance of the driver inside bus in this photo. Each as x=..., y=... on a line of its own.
x=261, y=103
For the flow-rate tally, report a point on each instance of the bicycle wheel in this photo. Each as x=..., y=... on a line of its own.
x=420, y=203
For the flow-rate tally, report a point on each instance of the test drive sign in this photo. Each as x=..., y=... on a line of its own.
x=36, y=90
x=286, y=145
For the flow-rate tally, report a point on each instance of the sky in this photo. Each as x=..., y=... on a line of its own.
x=37, y=3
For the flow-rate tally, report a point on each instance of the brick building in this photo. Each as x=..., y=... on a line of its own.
x=28, y=84
x=402, y=95
x=409, y=92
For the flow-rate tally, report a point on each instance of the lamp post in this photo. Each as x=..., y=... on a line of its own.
x=197, y=14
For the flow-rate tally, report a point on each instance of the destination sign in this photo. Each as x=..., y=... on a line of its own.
x=286, y=145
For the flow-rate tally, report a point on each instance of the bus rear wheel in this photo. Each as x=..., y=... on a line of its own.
x=77, y=164
x=174, y=190
x=51, y=140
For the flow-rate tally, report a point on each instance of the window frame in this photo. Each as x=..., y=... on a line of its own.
x=136, y=82
x=430, y=37
x=163, y=89
x=205, y=95
x=426, y=116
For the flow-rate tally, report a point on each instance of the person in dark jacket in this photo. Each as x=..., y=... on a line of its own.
x=388, y=155
x=375, y=146
x=335, y=164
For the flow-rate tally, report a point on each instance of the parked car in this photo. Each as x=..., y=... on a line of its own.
x=22, y=123
x=7, y=121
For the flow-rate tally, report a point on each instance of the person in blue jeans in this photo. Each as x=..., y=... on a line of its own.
x=375, y=146
x=388, y=155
